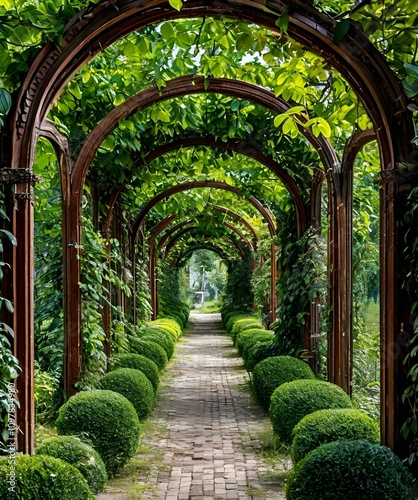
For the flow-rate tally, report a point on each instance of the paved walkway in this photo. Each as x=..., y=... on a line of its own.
x=214, y=428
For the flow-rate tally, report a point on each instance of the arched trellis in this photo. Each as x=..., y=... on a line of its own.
x=209, y=184
x=201, y=246
x=355, y=58
x=162, y=226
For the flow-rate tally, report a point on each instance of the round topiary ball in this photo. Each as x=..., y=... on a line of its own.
x=161, y=337
x=82, y=456
x=292, y=401
x=42, y=477
x=242, y=324
x=137, y=362
x=246, y=335
x=256, y=353
x=275, y=371
x=248, y=342
x=107, y=419
x=324, y=426
x=151, y=350
x=349, y=470
x=134, y=385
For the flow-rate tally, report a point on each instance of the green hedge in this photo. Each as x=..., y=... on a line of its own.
x=149, y=349
x=292, y=401
x=324, y=426
x=248, y=343
x=107, y=419
x=243, y=324
x=349, y=470
x=82, y=456
x=245, y=338
x=275, y=371
x=137, y=362
x=134, y=385
x=230, y=315
x=235, y=319
x=256, y=353
x=161, y=337
x=41, y=477
x=169, y=325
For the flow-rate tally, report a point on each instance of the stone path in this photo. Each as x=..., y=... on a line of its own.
x=213, y=427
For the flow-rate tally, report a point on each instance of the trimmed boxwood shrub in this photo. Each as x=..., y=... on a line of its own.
x=248, y=326
x=151, y=350
x=243, y=337
x=82, y=456
x=257, y=353
x=161, y=337
x=42, y=477
x=292, y=401
x=134, y=385
x=239, y=324
x=324, y=426
x=232, y=314
x=168, y=324
x=349, y=470
x=137, y=362
x=275, y=371
x=107, y=419
x=248, y=342
x=235, y=319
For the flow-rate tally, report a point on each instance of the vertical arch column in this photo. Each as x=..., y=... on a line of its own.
x=21, y=288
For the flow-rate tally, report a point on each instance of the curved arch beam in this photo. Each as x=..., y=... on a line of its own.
x=218, y=185
x=181, y=86
x=247, y=150
x=201, y=184
x=207, y=246
x=97, y=27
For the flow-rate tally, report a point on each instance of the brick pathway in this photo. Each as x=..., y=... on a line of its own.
x=213, y=427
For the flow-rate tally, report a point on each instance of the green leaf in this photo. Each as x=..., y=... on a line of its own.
x=10, y=236
x=341, y=29
x=176, y=4
x=167, y=31
x=5, y=101
x=283, y=21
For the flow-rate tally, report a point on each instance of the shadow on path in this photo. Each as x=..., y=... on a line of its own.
x=213, y=429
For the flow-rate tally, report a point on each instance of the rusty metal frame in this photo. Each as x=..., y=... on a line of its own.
x=363, y=67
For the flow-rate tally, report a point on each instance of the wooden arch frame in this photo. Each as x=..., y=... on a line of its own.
x=207, y=246
x=207, y=184
x=355, y=58
x=153, y=249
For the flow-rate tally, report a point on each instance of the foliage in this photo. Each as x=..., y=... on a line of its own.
x=243, y=324
x=324, y=426
x=275, y=371
x=48, y=286
x=151, y=350
x=47, y=395
x=134, y=385
x=292, y=401
x=137, y=362
x=45, y=477
x=248, y=342
x=160, y=336
x=257, y=353
x=244, y=338
x=170, y=325
x=107, y=420
x=349, y=469
x=9, y=365
x=409, y=428
x=302, y=276
x=82, y=456
x=238, y=287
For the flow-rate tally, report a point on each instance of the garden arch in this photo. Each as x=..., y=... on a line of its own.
x=355, y=58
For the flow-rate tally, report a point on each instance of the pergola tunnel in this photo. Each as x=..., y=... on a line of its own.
x=249, y=159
